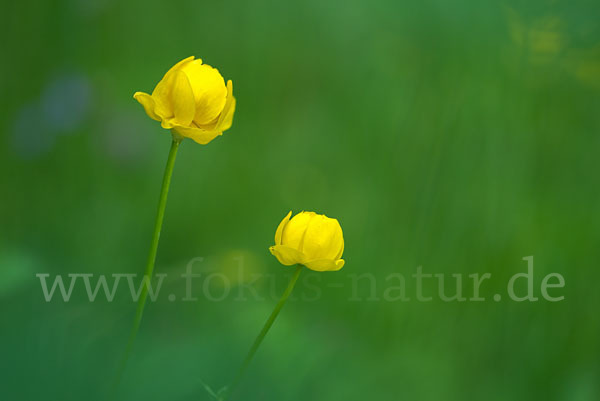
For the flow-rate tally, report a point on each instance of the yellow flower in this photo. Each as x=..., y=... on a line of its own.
x=192, y=100
x=313, y=240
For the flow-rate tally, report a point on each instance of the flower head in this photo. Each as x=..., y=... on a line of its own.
x=313, y=240
x=192, y=100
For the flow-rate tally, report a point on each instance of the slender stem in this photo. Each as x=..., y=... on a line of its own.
x=162, y=203
x=265, y=328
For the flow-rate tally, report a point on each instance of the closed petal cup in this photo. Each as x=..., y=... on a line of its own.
x=192, y=100
x=310, y=239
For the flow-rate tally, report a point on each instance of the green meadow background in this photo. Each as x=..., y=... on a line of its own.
x=460, y=136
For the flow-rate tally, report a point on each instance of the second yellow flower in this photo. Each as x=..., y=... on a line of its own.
x=310, y=239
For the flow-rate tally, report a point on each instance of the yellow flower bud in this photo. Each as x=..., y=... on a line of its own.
x=192, y=100
x=313, y=240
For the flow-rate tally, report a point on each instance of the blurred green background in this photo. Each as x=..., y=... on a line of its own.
x=460, y=136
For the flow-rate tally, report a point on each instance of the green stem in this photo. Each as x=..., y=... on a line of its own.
x=162, y=203
x=265, y=329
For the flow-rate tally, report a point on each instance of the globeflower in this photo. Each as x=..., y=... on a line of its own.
x=310, y=239
x=192, y=101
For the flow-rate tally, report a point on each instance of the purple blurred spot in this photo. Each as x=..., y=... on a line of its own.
x=66, y=102
x=125, y=136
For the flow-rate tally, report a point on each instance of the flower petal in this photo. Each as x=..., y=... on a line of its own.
x=341, y=252
x=210, y=91
x=280, y=227
x=323, y=238
x=162, y=98
x=182, y=99
x=183, y=62
x=293, y=235
x=286, y=255
x=148, y=103
x=197, y=134
x=324, y=265
x=279, y=232
x=226, y=117
x=163, y=90
x=168, y=123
